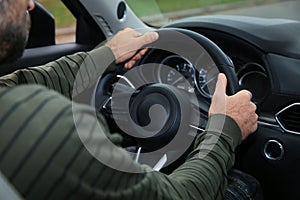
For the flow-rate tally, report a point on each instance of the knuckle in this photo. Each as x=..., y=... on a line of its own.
x=255, y=127
x=247, y=94
x=148, y=38
x=254, y=107
x=127, y=29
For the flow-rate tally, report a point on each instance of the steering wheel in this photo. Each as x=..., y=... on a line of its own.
x=162, y=117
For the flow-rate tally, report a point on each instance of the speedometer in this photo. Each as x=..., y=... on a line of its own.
x=181, y=73
x=177, y=71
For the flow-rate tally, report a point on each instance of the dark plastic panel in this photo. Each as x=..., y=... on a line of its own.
x=42, y=32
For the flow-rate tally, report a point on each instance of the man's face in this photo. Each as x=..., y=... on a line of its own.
x=14, y=28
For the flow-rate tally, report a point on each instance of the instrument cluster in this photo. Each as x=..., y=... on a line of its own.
x=179, y=72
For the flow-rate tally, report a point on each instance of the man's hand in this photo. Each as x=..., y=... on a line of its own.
x=127, y=42
x=239, y=107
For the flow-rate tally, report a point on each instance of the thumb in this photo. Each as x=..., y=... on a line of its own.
x=221, y=84
x=218, y=104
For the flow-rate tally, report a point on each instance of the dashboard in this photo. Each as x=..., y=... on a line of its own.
x=264, y=52
x=250, y=66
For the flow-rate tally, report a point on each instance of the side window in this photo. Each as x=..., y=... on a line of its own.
x=64, y=21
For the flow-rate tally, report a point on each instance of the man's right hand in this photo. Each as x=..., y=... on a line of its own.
x=239, y=107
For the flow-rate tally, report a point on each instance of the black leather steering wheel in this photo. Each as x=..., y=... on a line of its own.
x=153, y=113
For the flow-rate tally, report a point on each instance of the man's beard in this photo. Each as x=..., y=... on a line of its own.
x=15, y=37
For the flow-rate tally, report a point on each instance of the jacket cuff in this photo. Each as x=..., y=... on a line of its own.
x=103, y=58
x=226, y=125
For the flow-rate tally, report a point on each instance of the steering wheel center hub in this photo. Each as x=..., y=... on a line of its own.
x=156, y=108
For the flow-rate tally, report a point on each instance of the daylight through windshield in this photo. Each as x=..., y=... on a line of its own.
x=158, y=12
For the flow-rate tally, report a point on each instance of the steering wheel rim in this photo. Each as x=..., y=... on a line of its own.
x=222, y=61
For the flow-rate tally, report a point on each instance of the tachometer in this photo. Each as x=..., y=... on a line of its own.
x=206, y=81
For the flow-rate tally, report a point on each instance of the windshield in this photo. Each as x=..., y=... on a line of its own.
x=159, y=12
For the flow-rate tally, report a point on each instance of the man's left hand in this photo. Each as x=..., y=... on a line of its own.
x=127, y=42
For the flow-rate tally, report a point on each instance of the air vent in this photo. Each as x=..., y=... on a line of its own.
x=253, y=77
x=104, y=25
x=289, y=118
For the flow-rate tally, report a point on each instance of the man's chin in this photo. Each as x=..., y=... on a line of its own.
x=15, y=57
x=16, y=42
x=14, y=54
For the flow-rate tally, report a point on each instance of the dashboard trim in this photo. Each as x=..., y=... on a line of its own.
x=282, y=125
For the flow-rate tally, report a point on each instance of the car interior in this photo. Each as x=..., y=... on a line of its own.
x=258, y=54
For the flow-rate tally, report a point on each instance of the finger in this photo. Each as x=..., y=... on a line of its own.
x=136, y=34
x=249, y=93
x=221, y=84
x=124, y=57
x=127, y=29
x=255, y=125
x=143, y=51
x=254, y=106
x=135, y=58
x=246, y=93
x=129, y=64
x=138, y=56
x=147, y=38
